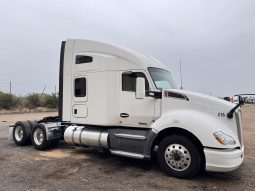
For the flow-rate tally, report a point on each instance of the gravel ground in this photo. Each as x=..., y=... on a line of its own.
x=68, y=168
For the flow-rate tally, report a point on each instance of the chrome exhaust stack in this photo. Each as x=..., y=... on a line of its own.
x=86, y=136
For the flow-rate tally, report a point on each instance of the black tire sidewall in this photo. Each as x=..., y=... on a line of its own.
x=194, y=167
x=26, y=133
x=32, y=124
x=45, y=143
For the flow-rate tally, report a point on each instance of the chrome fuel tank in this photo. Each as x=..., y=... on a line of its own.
x=86, y=136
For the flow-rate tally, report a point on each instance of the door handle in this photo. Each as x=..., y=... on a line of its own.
x=124, y=115
x=75, y=111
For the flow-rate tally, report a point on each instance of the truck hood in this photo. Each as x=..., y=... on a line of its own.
x=205, y=100
x=200, y=114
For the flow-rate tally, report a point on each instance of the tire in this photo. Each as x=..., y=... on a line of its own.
x=32, y=124
x=21, y=133
x=39, y=138
x=179, y=157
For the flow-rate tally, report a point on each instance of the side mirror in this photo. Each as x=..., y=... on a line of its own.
x=241, y=100
x=140, y=88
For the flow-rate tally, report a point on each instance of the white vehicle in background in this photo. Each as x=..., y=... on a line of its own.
x=236, y=99
x=247, y=98
x=119, y=100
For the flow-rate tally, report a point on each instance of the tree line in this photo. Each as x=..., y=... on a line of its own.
x=31, y=101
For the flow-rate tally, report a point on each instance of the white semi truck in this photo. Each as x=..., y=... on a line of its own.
x=119, y=100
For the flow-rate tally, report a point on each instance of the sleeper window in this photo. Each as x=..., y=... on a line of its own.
x=80, y=87
x=82, y=59
x=129, y=81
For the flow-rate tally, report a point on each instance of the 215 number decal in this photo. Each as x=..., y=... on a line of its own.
x=221, y=114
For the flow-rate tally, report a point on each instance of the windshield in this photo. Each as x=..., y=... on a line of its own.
x=162, y=78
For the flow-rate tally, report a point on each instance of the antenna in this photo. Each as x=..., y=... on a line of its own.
x=181, y=72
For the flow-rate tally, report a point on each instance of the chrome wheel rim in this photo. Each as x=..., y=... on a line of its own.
x=38, y=136
x=19, y=133
x=177, y=157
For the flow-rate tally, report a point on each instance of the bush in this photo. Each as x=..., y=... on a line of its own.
x=8, y=101
x=49, y=101
x=32, y=101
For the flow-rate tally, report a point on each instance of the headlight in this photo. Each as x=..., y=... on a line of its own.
x=224, y=139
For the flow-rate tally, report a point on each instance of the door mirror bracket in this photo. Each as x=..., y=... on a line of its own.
x=157, y=94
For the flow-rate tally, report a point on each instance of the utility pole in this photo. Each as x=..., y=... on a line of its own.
x=181, y=73
x=55, y=90
x=10, y=87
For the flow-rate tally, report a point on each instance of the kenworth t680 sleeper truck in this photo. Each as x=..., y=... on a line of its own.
x=119, y=100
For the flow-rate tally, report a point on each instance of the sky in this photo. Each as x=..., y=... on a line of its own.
x=215, y=39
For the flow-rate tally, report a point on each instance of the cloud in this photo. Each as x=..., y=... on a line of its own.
x=214, y=39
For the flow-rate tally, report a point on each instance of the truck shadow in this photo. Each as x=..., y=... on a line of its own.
x=112, y=163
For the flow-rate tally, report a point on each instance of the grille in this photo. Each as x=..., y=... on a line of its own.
x=239, y=126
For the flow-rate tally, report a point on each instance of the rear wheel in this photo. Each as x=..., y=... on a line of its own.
x=21, y=133
x=178, y=156
x=39, y=138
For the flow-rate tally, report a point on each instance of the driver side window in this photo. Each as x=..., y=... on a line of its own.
x=129, y=81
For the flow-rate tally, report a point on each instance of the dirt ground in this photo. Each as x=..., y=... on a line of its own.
x=68, y=168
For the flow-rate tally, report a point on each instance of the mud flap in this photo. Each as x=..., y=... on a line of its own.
x=10, y=137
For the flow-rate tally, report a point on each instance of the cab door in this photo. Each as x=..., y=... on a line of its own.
x=80, y=97
x=134, y=112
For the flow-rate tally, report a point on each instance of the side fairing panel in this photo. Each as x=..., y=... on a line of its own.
x=67, y=79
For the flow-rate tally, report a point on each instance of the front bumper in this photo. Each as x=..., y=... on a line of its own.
x=223, y=160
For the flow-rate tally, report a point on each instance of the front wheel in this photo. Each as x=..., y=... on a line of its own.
x=178, y=156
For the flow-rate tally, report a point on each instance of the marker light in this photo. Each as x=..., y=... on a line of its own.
x=223, y=138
